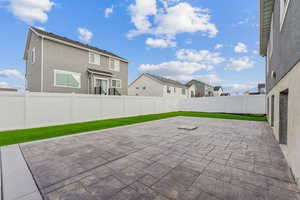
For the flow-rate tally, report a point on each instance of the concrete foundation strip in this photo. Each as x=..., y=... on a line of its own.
x=17, y=180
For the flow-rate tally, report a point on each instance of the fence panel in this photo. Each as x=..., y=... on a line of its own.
x=26, y=110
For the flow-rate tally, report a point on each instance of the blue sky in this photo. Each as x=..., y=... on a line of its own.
x=210, y=40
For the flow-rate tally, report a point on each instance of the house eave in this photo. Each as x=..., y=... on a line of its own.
x=266, y=10
x=76, y=46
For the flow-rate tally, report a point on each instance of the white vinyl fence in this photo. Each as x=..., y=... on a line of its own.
x=27, y=110
x=250, y=104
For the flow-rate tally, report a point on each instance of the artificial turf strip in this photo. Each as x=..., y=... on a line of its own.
x=27, y=135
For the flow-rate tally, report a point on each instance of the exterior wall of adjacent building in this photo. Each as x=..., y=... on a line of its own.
x=192, y=90
x=283, y=60
x=292, y=150
x=285, y=52
x=175, y=91
x=57, y=56
x=218, y=92
x=33, y=70
x=145, y=86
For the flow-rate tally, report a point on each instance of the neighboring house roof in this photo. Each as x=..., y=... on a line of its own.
x=266, y=10
x=8, y=90
x=73, y=42
x=191, y=82
x=161, y=80
x=217, y=88
x=166, y=81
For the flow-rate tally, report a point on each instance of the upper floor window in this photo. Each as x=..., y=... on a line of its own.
x=116, y=83
x=284, y=4
x=114, y=65
x=67, y=79
x=32, y=58
x=94, y=58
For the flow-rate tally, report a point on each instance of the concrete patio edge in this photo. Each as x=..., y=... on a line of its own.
x=18, y=183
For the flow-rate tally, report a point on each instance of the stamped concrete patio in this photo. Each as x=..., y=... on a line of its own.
x=222, y=159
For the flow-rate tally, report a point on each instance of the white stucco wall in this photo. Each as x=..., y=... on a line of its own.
x=292, y=150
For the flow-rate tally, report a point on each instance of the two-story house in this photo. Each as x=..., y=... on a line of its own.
x=152, y=85
x=280, y=45
x=60, y=65
x=201, y=89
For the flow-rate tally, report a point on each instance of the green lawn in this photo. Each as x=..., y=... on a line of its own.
x=26, y=135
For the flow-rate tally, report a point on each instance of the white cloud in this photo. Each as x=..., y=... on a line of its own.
x=31, y=11
x=108, y=11
x=140, y=11
x=85, y=35
x=255, y=52
x=3, y=85
x=11, y=73
x=218, y=46
x=203, y=56
x=239, y=64
x=207, y=78
x=240, y=48
x=41, y=28
x=183, y=18
x=161, y=43
x=169, y=21
x=175, y=68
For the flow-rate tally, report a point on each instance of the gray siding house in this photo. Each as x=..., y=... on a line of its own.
x=280, y=45
x=202, y=89
x=60, y=65
x=157, y=86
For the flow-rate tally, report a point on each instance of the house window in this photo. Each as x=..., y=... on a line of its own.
x=183, y=91
x=168, y=90
x=67, y=79
x=33, y=55
x=284, y=4
x=94, y=59
x=144, y=88
x=116, y=83
x=174, y=90
x=137, y=88
x=114, y=65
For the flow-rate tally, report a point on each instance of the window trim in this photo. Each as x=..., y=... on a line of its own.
x=100, y=78
x=283, y=15
x=33, y=55
x=68, y=72
x=115, y=79
x=109, y=65
x=94, y=62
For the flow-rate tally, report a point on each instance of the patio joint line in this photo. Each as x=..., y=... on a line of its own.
x=85, y=171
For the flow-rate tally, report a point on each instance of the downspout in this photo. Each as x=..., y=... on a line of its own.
x=42, y=65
